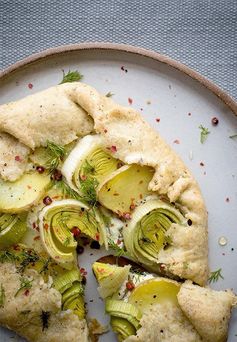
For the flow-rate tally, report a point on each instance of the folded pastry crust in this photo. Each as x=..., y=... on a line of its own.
x=64, y=112
x=23, y=312
x=203, y=315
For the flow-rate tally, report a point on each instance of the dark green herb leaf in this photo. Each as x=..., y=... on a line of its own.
x=71, y=76
x=109, y=94
x=2, y=296
x=88, y=189
x=25, y=285
x=7, y=256
x=203, y=134
x=27, y=257
x=118, y=250
x=56, y=153
x=233, y=136
x=215, y=276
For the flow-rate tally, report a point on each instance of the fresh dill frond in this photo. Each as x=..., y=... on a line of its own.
x=88, y=189
x=87, y=168
x=67, y=241
x=56, y=154
x=66, y=191
x=45, y=266
x=109, y=94
x=7, y=256
x=26, y=284
x=119, y=251
x=2, y=296
x=27, y=257
x=215, y=276
x=71, y=76
x=203, y=133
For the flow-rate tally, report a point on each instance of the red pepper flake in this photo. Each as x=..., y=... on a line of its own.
x=130, y=101
x=46, y=226
x=189, y=114
x=30, y=85
x=127, y=216
x=119, y=242
x=132, y=206
x=202, y=164
x=113, y=149
x=83, y=271
x=130, y=286
x=37, y=238
x=176, y=141
x=105, y=130
x=75, y=231
x=47, y=200
x=34, y=225
x=16, y=247
x=157, y=119
x=214, y=121
x=29, y=187
x=227, y=199
x=27, y=292
x=40, y=169
x=83, y=177
x=97, y=236
x=17, y=158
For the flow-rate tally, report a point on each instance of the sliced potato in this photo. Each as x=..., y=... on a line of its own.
x=154, y=291
x=19, y=196
x=124, y=187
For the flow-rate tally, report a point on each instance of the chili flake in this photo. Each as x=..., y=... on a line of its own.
x=30, y=85
x=157, y=119
x=176, y=141
x=130, y=101
x=17, y=158
x=113, y=148
x=130, y=286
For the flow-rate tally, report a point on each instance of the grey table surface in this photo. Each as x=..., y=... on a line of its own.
x=200, y=33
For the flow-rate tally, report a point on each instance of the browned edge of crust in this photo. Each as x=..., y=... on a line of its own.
x=227, y=99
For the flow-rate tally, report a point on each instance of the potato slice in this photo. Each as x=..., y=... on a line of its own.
x=21, y=195
x=124, y=187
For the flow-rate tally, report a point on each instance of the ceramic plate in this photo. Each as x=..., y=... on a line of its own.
x=175, y=101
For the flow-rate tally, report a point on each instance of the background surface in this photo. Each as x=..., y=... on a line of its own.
x=199, y=33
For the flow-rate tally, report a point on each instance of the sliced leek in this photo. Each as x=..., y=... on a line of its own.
x=65, y=280
x=12, y=229
x=122, y=328
x=109, y=277
x=56, y=222
x=145, y=234
x=20, y=195
x=118, y=308
x=122, y=189
x=88, y=159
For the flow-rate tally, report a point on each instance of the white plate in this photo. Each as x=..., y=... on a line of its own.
x=157, y=90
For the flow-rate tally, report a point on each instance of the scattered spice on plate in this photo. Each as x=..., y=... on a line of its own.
x=189, y=114
x=130, y=286
x=227, y=199
x=214, y=121
x=17, y=158
x=123, y=68
x=113, y=148
x=30, y=85
x=130, y=101
x=109, y=94
x=202, y=164
x=157, y=119
x=215, y=276
x=176, y=141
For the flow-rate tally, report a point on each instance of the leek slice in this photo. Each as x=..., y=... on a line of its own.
x=77, y=305
x=122, y=328
x=122, y=189
x=58, y=219
x=118, y=308
x=75, y=290
x=66, y=280
x=145, y=235
x=12, y=229
x=19, y=196
x=154, y=291
x=88, y=159
x=109, y=277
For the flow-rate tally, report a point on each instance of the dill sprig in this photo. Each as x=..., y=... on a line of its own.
x=66, y=190
x=45, y=266
x=87, y=168
x=119, y=251
x=26, y=284
x=2, y=296
x=203, y=133
x=7, y=256
x=71, y=76
x=27, y=257
x=215, y=276
x=56, y=153
x=109, y=94
x=88, y=189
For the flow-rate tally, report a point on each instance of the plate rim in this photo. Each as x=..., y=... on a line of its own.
x=63, y=49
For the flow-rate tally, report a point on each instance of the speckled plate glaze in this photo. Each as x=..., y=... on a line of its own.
x=175, y=101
